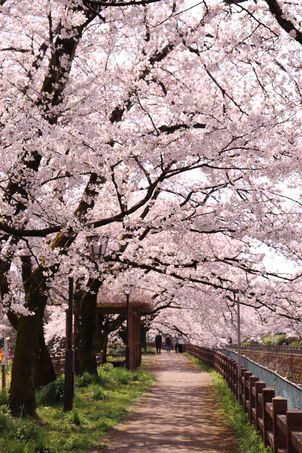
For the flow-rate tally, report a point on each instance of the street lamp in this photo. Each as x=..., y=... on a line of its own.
x=69, y=352
x=97, y=247
x=127, y=291
x=4, y=366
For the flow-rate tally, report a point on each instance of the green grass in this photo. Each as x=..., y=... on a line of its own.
x=246, y=435
x=99, y=404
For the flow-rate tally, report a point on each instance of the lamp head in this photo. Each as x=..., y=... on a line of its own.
x=97, y=246
x=128, y=288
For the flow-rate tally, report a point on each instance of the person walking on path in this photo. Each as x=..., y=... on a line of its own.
x=178, y=415
x=158, y=343
x=168, y=344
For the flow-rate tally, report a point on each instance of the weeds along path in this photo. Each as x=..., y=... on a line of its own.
x=178, y=415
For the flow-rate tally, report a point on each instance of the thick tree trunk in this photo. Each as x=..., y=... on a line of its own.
x=22, y=391
x=85, y=324
x=44, y=370
x=101, y=336
x=103, y=347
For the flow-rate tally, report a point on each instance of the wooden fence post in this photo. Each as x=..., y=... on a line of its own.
x=260, y=385
x=279, y=437
x=252, y=407
x=293, y=424
x=246, y=396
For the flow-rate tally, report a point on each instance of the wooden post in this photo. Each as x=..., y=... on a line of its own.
x=293, y=423
x=279, y=408
x=268, y=395
x=260, y=385
x=246, y=393
x=252, y=392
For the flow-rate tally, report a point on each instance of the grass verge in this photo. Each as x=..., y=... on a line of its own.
x=246, y=435
x=100, y=403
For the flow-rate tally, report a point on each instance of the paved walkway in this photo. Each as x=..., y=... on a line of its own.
x=178, y=415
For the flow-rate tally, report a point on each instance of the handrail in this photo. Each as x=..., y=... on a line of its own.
x=281, y=429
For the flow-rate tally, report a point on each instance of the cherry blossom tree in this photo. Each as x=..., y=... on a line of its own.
x=171, y=130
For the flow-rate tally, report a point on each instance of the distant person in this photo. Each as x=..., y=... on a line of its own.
x=158, y=343
x=168, y=344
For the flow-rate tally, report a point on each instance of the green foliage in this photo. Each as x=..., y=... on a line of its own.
x=27, y=430
x=73, y=417
x=87, y=379
x=52, y=393
x=74, y=443
x=247, y=437
x=123, y=376
x=3, y=397
x=293, y=341
x=21, y=436
x=44, y=449
x=98, y=393
x=273, y=339
x=248, y=341
x=5, y=422
x=97, y=408
x=150, y=350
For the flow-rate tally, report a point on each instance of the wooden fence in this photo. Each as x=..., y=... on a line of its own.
x=58, y=360
x=281, y=429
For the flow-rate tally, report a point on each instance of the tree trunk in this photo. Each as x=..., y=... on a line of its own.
x=22, y=399
x=44, y=370
x=85, y=324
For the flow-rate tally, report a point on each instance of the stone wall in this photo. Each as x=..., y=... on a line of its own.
x=285, y=364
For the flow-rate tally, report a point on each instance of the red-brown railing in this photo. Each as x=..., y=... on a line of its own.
x=281, y=429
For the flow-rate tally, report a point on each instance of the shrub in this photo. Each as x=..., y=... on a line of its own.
x=52, y=393
x=273, y=339
x=87, y=379
x=5, y=423
x=3, y=397
x=27, y=430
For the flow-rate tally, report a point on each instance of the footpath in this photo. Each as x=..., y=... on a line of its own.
x=178, y=415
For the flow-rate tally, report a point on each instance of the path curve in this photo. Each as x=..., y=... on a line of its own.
x=178, y=415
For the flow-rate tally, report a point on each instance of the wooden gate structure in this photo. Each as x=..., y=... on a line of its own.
x=135, y=311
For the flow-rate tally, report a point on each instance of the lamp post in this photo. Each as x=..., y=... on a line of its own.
x=97, y=248
x=238, y=350
x=127, y=291
x=4, y=366
x=69, y=352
